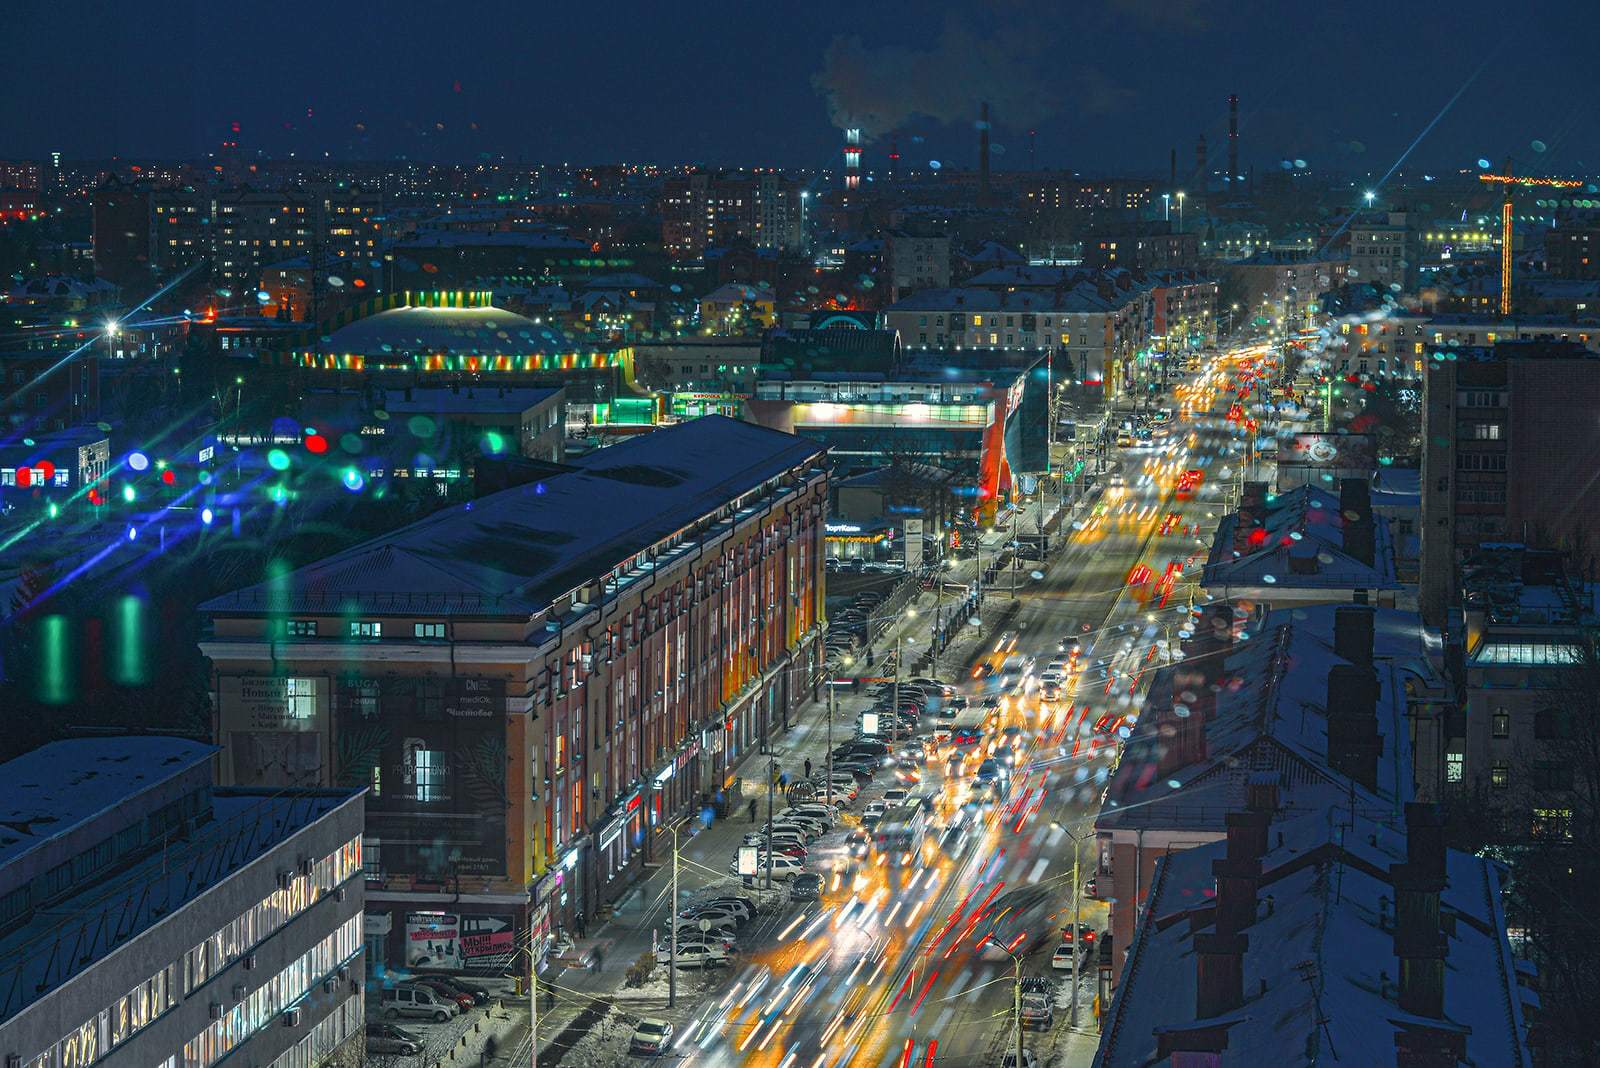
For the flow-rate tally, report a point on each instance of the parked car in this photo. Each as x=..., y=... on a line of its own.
x=806, y=887
x=714, y=912
x=783, y=867
x=1061, y=960
x=1037, y=1015
x=737, y=902
x=417, y=1003
x=895, y=795
x=699, y=955
x=442, y=987
x=813, y=811
x=651, y=1036
x=387, y=1038
x=1029, y=1059
x=478, y=993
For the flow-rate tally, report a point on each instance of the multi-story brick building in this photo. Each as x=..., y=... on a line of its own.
x=535, y=686
x=1509, y=439
x=703, y=209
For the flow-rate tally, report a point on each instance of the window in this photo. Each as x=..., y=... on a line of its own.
x=301, y=628
x=1551, y=775
x=429, y=770
x=1550, y=723
x=1500, y=776
x=1552, y=823
x=300, y=698
x=1484, y=431
x=1500, y=723
x=366, y=628
x=429, y=630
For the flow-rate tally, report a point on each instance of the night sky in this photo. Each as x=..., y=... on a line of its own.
x=1110, y=85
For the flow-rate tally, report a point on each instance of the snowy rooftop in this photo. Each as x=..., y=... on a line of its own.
x=50, y=790
x=1300, y=545
x=1321, y=952
x=514, y=552
x=487, y=331
x=103, y=919
x=1271, y=712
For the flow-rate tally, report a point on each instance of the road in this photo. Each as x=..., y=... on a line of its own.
x=900, y=962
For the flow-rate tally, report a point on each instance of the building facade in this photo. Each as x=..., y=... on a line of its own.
x=206, y=923
x=703, y=209
x=535, y=689
x=1497, y=464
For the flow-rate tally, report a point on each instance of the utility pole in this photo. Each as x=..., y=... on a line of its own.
x=772, y=780
x=1016, y=964
x=672, y=927
x=895, y=721
x=533, y=1003
x=1077, y=916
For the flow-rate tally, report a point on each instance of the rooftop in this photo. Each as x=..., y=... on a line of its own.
x=1320, y=970
x=514, y=552
x=1271, y=711
x=1300, y=545
x=471, y=401
x=485, y=331
x=50, y=790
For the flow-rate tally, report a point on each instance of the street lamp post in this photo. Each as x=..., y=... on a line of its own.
x=1016, y=995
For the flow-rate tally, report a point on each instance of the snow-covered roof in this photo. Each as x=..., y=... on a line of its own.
x=485, y=331
x=737, y=292
x=47, y=792
x=1320, y=970
x=514, y=552
x=1271, y=712
x=1300, y=545
x=479, y=400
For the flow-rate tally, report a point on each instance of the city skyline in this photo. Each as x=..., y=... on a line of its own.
x=787, y=81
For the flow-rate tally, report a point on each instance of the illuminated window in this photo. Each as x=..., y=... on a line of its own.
x=429, y=630
x=429, y=771
x=366, y=628
x=300, y=698
x=1552, y=823
x=301, y=628
x=1500, y=723
x=1500, y=776
x=1453, y=767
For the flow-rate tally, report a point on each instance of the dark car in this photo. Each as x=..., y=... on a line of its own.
x=387, y=1038
x=806, y=887
x=442, y=986
x=476, y=991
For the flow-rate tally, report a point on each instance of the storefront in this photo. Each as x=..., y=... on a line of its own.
x=617, y=844
x=857, y=541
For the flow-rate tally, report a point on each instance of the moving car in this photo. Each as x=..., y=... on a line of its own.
x=1037, y=1015
x=651, y=1036
x=806, y=887
x=1061, y=960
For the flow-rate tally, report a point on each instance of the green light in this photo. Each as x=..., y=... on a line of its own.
x=494, y=443
x=128, y=494
x=278, y=459
x=54, y=511
x=54, y=679
x=127, y=662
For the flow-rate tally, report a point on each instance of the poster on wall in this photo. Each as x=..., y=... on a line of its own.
x=913, y=535
x=433, y=755
x=488, y=944
x=433, y=940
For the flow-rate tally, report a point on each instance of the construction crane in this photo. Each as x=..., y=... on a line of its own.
x=1509, y=181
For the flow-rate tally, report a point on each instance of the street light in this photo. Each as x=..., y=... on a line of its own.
x=1370, y=197
x=1016, y=962
x=1077, y=915
x=1180, y=212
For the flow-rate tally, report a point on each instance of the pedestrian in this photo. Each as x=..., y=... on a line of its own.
x=490, y=1048
x=808, y=767
x=752, y=810
x=599, y=958
x=582, y=925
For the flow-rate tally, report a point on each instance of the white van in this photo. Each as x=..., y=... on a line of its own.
x=416, y=1002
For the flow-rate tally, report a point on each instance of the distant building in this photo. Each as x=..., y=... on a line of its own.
x=736, y=308
x=20, y=174
x=1385, y=253
x=916, y=261
x=1509, y=439
x=1146, y=251
x=205, y=923
x=547, y=680
x=1282, y=287
x=1573, y=251
x=703, y=209
x=44, y=391
x=124, y=241
x=45, y=468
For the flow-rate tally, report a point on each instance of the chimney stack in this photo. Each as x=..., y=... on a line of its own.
x=983, y=151
x=1195, y=683
x=1353, y=633
x=1354, y=744
x=1418, y=940
x=1355, y=508
x=1251, y=516
x=1233, y=142
x=1200, y=162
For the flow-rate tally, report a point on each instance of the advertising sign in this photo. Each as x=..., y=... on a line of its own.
x=1333, y=451
x=488, y=943
x=748, y=865
x=433, y=940
x=913, y=532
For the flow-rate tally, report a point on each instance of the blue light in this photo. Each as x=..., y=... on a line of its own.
x=138, y=461
x=132, y=533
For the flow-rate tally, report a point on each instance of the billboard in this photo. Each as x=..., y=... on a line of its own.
x=1329, y=452
x=433, y=754
x=449, y=941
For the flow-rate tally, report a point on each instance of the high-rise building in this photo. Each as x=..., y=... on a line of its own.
x=916, y=261
x=1573, y=251
x=124, y=241
x=1509, y=439
x=1385, y=252
x=19, y=174
x=703, y=209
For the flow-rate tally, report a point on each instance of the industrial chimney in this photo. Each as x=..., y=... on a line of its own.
x=1200, y=163
x=983, y=151
x=852, y=158
x=1233, y=140
x=894, y=159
